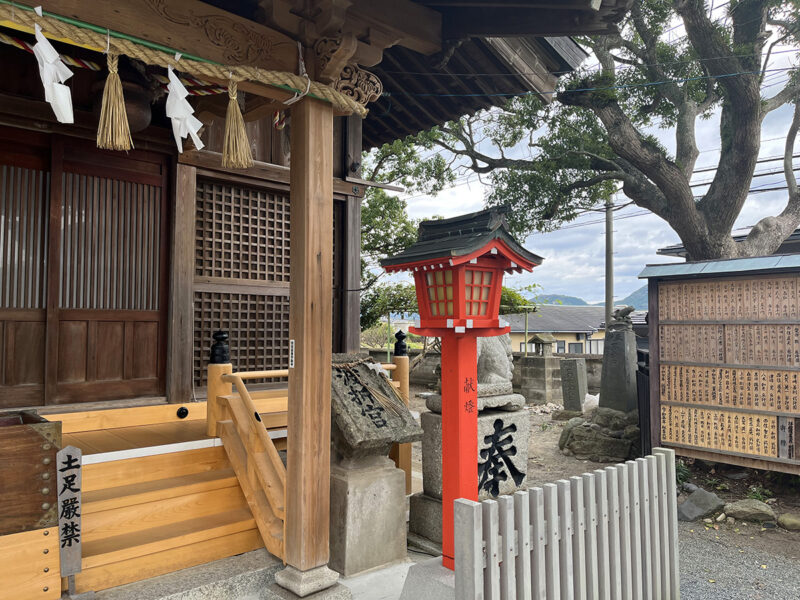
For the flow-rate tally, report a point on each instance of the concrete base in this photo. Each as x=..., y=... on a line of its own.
x=425, y=517
x=429, y=580
x=306, y=583
x=336, y=592
x=368, y=516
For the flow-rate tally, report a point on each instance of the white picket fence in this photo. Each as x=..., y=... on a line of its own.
x=607, y=535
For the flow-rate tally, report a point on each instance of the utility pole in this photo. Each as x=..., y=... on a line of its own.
x=609, y=261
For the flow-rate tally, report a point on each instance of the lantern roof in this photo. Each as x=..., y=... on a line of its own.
x=461, y=239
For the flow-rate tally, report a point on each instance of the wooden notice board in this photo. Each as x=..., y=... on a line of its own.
x=725, y=361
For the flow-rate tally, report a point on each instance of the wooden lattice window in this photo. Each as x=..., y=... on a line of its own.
x=258, y=327
x=478, y=284
x=242, y=233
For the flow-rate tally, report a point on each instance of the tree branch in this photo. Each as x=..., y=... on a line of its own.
x=788, y=152
x=787, y=94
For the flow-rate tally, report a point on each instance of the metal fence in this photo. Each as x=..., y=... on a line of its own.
x=609, y=534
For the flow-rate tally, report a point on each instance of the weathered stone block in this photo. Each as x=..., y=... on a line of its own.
x=368, y=516
x=425, y=517
x=618, y=382
x=573, y=383
x=502, y=452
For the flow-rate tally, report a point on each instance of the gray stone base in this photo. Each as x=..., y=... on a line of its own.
x=423, y=545
x=425, y=517
x=429, y=580
x=336, y=592
x=368, y=516
x=245, y=577
x=306, y=583
x=518, y=421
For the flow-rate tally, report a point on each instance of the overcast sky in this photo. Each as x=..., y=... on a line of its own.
x=574, y=256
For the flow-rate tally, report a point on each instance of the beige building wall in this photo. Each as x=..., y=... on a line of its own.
x=518, y=338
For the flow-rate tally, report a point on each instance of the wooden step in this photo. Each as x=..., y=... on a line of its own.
x=166, y=561
x=149, y=468
x=149, y=541
x=159, y=489
x=160, y=513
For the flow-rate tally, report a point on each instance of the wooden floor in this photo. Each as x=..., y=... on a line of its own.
x=142, y=436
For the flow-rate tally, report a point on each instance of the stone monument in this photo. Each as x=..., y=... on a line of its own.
x=538, y=376
x=573, y=383
x=503, y=435
x=618, y=381
x=368, y=506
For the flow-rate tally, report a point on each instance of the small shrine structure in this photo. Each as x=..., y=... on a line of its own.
x=458, y=266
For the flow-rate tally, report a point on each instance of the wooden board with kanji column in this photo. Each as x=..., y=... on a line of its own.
x=725, y=361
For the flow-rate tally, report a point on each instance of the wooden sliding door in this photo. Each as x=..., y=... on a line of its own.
x=85, y=315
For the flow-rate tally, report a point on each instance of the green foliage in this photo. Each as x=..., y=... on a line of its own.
x=759, y=492
x=682, y=472
x=512, y=301
x=385, y=298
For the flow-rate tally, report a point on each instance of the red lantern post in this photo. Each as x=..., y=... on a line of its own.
x=458, y=266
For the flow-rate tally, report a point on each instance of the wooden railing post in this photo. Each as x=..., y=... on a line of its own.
x=401, y=453
x=218, y=365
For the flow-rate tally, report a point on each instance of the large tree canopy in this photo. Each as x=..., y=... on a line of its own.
x=597, y=136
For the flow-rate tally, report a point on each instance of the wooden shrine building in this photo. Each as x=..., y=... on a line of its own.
x=116, y=267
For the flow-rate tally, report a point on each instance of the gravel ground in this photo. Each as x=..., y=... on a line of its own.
x=728, y=567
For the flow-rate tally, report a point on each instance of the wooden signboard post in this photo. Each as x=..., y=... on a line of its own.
x=725, y=359
x=69, y=479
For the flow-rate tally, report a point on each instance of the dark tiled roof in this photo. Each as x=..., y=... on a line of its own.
x=554, y=318
x=460, y=236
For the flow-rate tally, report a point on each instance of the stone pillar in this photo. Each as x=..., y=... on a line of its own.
x=368, y=494
x=618, y=381
x=573, y=383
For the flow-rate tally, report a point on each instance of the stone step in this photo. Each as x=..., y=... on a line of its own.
x=247, y=576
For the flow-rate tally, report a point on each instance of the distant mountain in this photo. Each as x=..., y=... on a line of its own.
x=561, y=299
x=637, y=299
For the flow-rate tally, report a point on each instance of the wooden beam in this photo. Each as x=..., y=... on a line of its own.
x=205, y=159
x=311, y=294
x=191, y=26
x=418, y=28
x=180, y=321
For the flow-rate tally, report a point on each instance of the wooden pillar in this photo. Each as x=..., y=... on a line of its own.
x=401, y=453
x=180, y=344
x=351, y=298
x=310, y=318
x=219, y=364
x=53, y=267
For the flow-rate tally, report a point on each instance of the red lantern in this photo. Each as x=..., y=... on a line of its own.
x=458, y=266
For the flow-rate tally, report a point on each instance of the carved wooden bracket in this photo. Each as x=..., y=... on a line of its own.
x=361, y=85
x=333, y=54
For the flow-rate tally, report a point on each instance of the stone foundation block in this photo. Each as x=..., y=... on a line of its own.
x=368, y=516
x=425, y=517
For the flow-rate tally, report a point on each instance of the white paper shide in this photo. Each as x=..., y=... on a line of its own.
x=53, y=73
x=184, y=123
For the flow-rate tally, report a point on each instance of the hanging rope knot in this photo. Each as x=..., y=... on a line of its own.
x=113, y=63
x=232, y=89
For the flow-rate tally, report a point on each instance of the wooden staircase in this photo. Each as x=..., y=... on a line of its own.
x=147, y=516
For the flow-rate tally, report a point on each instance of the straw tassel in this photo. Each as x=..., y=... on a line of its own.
x=113, y=132
x=236, y=147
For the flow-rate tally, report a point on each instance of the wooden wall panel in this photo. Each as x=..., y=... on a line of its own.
x=729, y=365
x=23, y=352
x=72, y=347
x=145, y=362
x=110, y=350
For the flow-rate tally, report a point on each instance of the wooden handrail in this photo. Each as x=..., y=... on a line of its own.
x=257, y=375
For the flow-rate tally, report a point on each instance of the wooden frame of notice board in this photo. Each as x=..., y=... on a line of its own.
x=725, y=360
